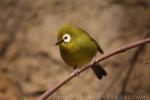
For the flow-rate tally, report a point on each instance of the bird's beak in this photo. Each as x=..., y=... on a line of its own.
x=59, y=42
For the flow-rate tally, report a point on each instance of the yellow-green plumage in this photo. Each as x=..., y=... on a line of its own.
x=80, y=49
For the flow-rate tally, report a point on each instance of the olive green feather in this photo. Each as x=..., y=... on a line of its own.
x=78, y=48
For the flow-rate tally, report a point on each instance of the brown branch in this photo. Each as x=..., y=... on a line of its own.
x=125, y=81
x=54, y=88
x=110, y=86
x=132, y=63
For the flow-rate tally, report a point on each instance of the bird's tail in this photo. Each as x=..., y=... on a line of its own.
x=99, y=71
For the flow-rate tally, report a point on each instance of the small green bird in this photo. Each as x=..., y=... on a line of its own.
x=77, y=48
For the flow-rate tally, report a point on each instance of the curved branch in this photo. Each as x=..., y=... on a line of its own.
x=59, y=84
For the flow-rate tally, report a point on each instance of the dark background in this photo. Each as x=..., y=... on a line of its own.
x=30, y=62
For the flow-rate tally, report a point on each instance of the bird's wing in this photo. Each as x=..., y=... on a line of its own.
x=98, y=46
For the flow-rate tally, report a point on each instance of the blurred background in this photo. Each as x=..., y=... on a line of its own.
x=30, y=62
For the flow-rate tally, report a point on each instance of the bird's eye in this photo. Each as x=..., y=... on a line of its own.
x=66, y=37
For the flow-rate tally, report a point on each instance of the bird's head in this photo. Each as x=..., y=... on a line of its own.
x=67, y=35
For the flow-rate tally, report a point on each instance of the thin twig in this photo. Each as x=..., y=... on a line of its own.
x=110, y=86
x=131, y=63
x=54, y=88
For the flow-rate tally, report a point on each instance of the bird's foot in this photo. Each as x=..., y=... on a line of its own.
x=93, y=62
x=76, y=71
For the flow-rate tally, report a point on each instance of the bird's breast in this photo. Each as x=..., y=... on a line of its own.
x=78, y=55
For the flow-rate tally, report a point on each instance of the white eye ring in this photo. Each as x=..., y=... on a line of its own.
x=66, y=37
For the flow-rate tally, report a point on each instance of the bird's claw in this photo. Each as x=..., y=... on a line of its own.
x=76, y=71
x=93, y=62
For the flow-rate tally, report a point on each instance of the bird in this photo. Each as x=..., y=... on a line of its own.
x=78, y=48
